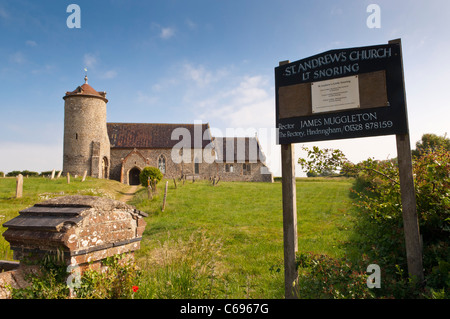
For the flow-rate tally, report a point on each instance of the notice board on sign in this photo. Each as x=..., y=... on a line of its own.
x=338, y=94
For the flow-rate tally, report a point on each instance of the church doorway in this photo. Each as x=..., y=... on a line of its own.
x=105, y=167
x=133, y=176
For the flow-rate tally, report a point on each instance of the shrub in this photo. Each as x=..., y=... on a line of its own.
x=152, y=173
x=324, y=277
x=47, y=283
x=116, y=280
x=24, y=173
x=381, y=224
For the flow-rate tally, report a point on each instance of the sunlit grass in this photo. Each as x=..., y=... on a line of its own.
x=247, y=219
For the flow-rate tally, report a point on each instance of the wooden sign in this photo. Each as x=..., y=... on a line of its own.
x=339, y=94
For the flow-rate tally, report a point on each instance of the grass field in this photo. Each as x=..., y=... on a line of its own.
x=245, y=221
x=222, y=241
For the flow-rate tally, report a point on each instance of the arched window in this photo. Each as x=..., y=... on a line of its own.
x=162, y=164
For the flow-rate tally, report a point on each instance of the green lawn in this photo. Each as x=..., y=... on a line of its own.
x=223, y=241
x=246, y=219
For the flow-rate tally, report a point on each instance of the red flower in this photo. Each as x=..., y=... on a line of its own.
x=135, y=288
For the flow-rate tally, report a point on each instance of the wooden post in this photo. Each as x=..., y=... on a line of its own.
x=175, y=183
x=59, y=174
x=409, y=208
x=289, y=219
x=165, y=196
x=19, y=186
x=149, y=192
x=408, y=197
x=68, y=178
x=53, y=174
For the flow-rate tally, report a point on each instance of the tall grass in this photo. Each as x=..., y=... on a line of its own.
x=223, y=241
x=246, y=218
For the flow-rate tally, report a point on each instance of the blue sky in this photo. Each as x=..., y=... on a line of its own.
x=182, y=61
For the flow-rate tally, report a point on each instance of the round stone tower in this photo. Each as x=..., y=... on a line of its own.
x=86, y=141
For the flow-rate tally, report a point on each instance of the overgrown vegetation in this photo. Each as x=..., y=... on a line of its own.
x=226, y=241
x=150, y=176
x=245, y=221
x=378, y=232
x=116, y=280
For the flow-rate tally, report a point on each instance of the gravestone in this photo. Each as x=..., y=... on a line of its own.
x=84, y=176
x=19, y=186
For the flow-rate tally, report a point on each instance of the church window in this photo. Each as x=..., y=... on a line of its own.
x=229, y=168
x=162, y=164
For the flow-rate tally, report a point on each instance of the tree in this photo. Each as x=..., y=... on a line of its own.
x=151, y=173
x=323, y=162
x=431, y=142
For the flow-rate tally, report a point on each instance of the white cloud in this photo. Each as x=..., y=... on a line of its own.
x=89, y=60
x=47, y=68
x=3, y=13
x=18, y=58
x=249, y=104
x=202, y=76
x=31, y=43
x=163, y=32
x=191, y=25
x=146, y=99
x=111, y=74
x=199, y=75
x=167, y=33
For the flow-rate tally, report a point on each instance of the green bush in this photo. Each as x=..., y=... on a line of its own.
x=377, y=191
x=47, y=283
x=24, y=173
x=152, y=173
x=324, y=277
x=118, y=279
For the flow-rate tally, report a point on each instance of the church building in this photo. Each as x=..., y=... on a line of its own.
x=120, y=151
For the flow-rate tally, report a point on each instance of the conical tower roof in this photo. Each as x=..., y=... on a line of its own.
x=86, y=90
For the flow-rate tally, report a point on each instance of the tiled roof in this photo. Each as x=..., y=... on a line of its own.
x=148, y=135
x=86, y=89
x=238, y=149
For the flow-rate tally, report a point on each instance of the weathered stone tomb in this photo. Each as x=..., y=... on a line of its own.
x=86, y=229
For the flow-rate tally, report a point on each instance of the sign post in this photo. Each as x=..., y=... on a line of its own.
x=289, y=217
x=413, y=243
x=339, y=94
